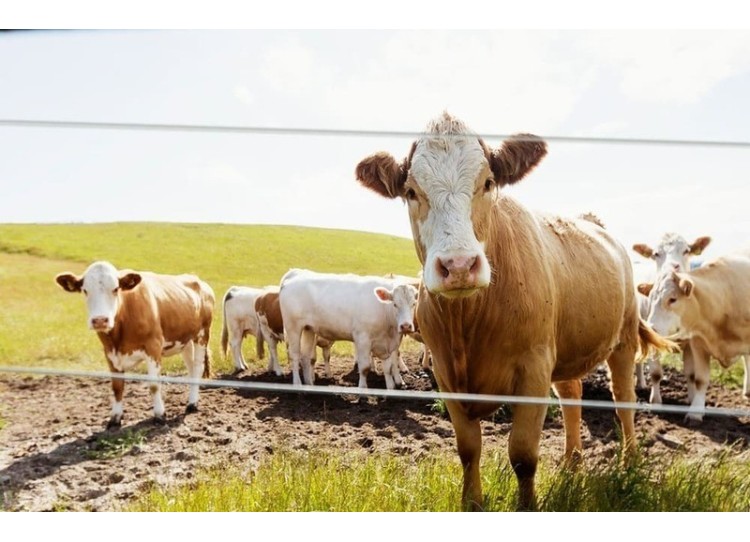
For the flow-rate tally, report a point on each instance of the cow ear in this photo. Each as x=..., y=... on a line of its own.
x=383, y=294
x=517, y=156
x=645, y=288
x=382, y=174
x=644, y=250
x=699, y=245
x=685, y=285
x=128, y=281
x=69, y=282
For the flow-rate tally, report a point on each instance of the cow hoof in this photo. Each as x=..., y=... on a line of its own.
x=692, y=420
x=160, y=420
x=114, y=423
x=192, y=408
x=237, y=370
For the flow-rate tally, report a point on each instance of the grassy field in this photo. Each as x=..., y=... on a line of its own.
x=358, y=482
x=43, y=326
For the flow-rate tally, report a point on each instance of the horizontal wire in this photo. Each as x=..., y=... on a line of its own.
x=396, y=394
x=208, y=128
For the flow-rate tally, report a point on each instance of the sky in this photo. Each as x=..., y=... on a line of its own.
x=652, y=84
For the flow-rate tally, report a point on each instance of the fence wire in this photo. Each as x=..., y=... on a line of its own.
x=381, y=393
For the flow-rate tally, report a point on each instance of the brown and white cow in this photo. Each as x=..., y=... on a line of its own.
x=673, y=253
x=512, y=301
x=271, y=325
x=142, y=316
x=707, y=309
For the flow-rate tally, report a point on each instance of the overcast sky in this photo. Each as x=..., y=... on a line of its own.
x=691, y=85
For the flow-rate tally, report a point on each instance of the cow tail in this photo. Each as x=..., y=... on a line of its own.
x=207, y=363
x=224, y=330
x=649, y=339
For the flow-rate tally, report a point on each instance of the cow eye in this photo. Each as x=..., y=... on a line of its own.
x=657, y=255
x=672, y=300
x=489, y=184
x=411, y=194
x=84, y=291
x=115, y=290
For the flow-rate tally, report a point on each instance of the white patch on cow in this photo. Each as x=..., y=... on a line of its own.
x=117, y=410
x=154, y=370
x=662, y=318
x=126, y=362
x=170, y=349
x=446, y=169
x=672, y=253
x=100, y=286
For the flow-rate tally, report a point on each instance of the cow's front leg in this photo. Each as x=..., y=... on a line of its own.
x=469, y=442
x=154, y=371
x=523, y=444
x=273, y=355
x=572, y=390
x=391, y=371
x=362, y=348
x=746, y=386
x=118, y=387
x=701, y=377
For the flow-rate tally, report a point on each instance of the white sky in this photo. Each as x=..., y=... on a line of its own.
x=642, y=84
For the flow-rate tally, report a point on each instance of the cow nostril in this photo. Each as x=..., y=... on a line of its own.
x=474, y=265
x=442, y=269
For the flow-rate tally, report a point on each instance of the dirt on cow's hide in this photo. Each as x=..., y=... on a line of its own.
x=51, y=455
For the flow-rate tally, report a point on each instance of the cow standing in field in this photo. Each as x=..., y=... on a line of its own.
x=512, y=301
x=268, y=309
x=142, y=316
x=372, y=312
x=671, y=254
x=241, y=320
x=707, y=309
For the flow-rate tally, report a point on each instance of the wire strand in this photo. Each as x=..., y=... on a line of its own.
x=268, y=130
x=396, y=394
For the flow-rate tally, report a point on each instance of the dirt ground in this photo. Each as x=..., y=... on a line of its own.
x=51, y=455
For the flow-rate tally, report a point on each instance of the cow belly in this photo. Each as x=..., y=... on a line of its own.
x=126, y=362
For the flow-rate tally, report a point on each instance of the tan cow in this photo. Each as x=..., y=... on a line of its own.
x=512, y=301
x=673, y=253
x=708, y=309
x=142, y=316
x=268, y=309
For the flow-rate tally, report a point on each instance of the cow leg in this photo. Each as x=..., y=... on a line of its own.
x=425, y=357
x=327, y=359
x=390, y=371
x=401, y=365
x=640, y=379
x=701, y=379
x=273, y=355
x=525, y=434
x=118, y=387
x=746, y=386
x=362, y=353
x=194, y=356
x=294, y=339
x=235, y=343
x=571, y=389
x=655, y=374
x=469, y=442
x=620, y=364
x=154, y=370
x=688, y=368
x=307, y=347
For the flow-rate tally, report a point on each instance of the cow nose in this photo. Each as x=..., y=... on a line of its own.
x=676, y=266
x=100, y=322
x=458, y=271
x=406, y=328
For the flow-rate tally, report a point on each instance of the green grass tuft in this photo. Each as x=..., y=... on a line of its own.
x=117, y=444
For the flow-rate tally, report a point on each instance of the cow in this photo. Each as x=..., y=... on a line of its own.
x=372, y=312
x=241, y=320
x=268, y=309
x=511, y=301
x=425, y=356
x=673, y=253
x=706, y=309
x=144, y=316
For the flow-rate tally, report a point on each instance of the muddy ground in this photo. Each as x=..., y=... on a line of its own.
x=53, y=454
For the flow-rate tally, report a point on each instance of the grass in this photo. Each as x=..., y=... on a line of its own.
x=114, y=445
x=358, y=482
x=732, y=377
x=43, y=326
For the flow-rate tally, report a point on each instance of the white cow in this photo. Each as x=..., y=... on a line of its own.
x=708, y=310
x=241, y=320
x=372, y=312
x=671, y=254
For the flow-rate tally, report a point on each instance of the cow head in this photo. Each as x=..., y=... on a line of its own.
x=670, y=298
x=673, y=252
x=449, y=182
x=101, y=284
x=404, y=300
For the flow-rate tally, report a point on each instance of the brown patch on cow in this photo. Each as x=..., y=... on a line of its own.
x=645, y=288
x=517, y=156
x=644, y=250
x=699, y=245
x=267, y=304
x=128, y=281
x=69, y=282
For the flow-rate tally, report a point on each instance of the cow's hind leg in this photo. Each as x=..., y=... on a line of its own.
x=655, y=374
x=391, y=372
x=364, y=359
x=620, y=364
x=746, y=386
x=571, y=389
x=193, y=355
x=307, y=348
x=154, y=371
x=469, y=441
x=118, y=387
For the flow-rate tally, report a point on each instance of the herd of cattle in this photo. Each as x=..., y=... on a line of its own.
x=509, y=302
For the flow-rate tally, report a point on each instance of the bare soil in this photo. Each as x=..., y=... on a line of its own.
x=52, y=455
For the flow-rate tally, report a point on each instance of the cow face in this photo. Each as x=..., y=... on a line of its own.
x=670, y=298
x=673, y=252
x=449, y=183
x=404, y=300
x=101, y=285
